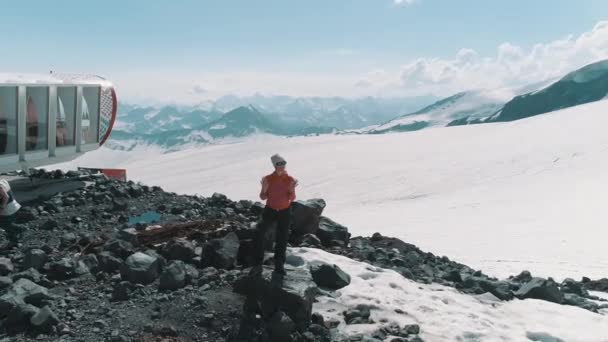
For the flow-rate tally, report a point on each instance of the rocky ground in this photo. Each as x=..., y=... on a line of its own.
x=91, y=266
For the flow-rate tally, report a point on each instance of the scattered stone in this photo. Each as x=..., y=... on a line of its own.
x=179, y=249
x=140, y=268
x=173, y=277
x=64, y=268
x=539, y=288
x=34, y=258
x=305, y=216
x=358, y=315
x=221, y=253
x=329, y=232
x=108, y=263
x=44, y=319
x=6, y=266
x=329, y=276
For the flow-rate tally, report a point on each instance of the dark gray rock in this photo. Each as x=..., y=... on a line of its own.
x=173, y=276
x=179, y=249
x=90, y=262
x=140, y=268
x=500, y=289
x=295, y=297
x=329, y=276
x=597, y=285
x=192, y=274
x=539, y=288
x=108, y=263
x=50, y=225
x=574, y=287
x=128, y=235
x=5, y=282
x=523, y=277
x=305, y=216
x=576, y=300
x=329, y=232
x=119, y=248
x=280, y=327
x=358, y=315
x=20, y=314
x=121, y=290
x=68, y=239
x=221, y=253
x=22, y=291
x=34, y=258
x=6, y=266
x=44, y=320
x=64, y=268
x=29, y=274
x=310, y=240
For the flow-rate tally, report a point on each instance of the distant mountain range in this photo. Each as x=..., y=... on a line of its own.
x=232, y=116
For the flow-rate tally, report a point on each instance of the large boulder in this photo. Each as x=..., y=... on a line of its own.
x=539, y=288
x=332, y=233
x=295, y=297
x=329, y=276
x=119, y=248
x=20, y=315
x=305, y=216
x=108, y=262
x=173, y=276
x=597, y=285
x=6, y=266
x=571, y=286
x=179, y=249
x=34, y=258
x=44, y=319
x=20, y=292
x=221, y=253
x=140, y=268
x=64, y=268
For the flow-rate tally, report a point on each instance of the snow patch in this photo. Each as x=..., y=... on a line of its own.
x=443, y=313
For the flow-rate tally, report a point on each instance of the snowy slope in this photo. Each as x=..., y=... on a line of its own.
x=444, y=314
x=504, y=197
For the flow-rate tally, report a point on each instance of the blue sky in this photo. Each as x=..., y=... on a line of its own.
x=201, y=42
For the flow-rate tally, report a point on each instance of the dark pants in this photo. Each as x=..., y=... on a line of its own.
x=283, y=220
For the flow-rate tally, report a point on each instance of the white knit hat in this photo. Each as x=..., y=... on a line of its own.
x=277, y=158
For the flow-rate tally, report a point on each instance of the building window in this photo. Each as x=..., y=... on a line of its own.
x=66, y=116
x=36, y=122
x=8, y=120
x=90, y=115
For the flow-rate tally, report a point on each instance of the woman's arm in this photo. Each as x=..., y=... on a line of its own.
x=264, y=191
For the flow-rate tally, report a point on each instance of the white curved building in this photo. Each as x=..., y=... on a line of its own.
x=46, y=119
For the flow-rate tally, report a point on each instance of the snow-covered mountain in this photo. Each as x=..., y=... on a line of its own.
x=292, y=114
x=584, y=85
x=474, y=104
x=239, y=122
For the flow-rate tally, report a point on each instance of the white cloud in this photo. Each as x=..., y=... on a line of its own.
x=512, y=65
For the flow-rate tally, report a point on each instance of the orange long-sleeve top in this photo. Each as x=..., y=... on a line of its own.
x=281, y=191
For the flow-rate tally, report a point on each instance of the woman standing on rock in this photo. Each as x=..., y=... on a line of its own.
x=278, y=189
